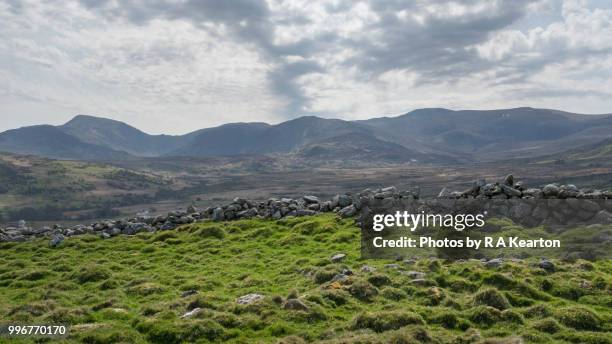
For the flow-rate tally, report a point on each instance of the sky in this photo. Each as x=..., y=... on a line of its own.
x=174, y=66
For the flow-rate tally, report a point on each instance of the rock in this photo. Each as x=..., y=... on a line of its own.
x=218, y=214
x=336, y=258
x=344, y=201
x=105, y=235
x=589, y=206
x=249, y=299
x=133, y=228
x=367, y=268
x=547, y=265
x=509, y=180
x=444, y=193
x=510, y=191
x=191, y=313
x=550, y=190
x=310, y=199
x=295, y=305
x=168, y=226
x=339, y=278
x=189, y=293
x=348, y=211
x=192, y=209
x=392, y=266
x=56, y=240
x=493, y=263
x=602, y=217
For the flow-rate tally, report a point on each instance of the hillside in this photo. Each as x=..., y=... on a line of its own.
x=35, y=188
x=183, y=286
x=52, y=142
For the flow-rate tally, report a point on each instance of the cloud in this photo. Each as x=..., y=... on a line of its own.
x=184, y=64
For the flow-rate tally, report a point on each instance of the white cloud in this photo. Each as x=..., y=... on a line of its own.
x=173, y=67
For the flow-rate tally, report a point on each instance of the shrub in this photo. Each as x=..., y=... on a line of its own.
x=579, y=318
x=385, y=320
x=491, y=297
x=547, y=325
x=363, y=290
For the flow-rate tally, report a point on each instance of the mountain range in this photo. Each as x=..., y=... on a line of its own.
x=432, y=135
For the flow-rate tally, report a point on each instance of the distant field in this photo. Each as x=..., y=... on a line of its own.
x=129, y=290
x=38, y=189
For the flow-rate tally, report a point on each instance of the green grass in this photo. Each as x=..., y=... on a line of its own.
x=128, y=289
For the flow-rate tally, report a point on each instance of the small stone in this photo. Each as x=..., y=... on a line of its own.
x=493, y=263
x=310, y=199
x=249, y=299
x=191, y=313
x=547, y=265
x=189, y=293
x=367, y=268
x=295, y=305
x=336, y=258
x=509, y=180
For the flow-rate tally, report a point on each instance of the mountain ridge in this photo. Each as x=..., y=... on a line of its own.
x=432, y=135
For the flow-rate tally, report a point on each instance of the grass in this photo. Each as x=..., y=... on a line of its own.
x=128, y=289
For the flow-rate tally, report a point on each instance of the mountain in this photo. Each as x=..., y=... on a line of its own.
x=261, y=138
x=494, y=134
x=433, y=135
x=120, y=136
x=52, y=142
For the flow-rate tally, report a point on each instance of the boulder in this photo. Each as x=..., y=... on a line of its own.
x=56, y=240
x=249, y=299
x=191, y=313
x=218, y=214
x=310, y=199
x=336, y=258
x=348, y=211
x=550, y=190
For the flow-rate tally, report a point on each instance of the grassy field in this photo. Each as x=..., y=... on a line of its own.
x=129, y=290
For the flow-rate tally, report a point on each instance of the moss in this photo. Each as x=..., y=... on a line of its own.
x=338, y=297
x=491, y=297
x=538, y=311
x=385, y=320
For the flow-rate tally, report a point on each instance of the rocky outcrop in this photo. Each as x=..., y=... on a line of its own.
x=530, y=206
